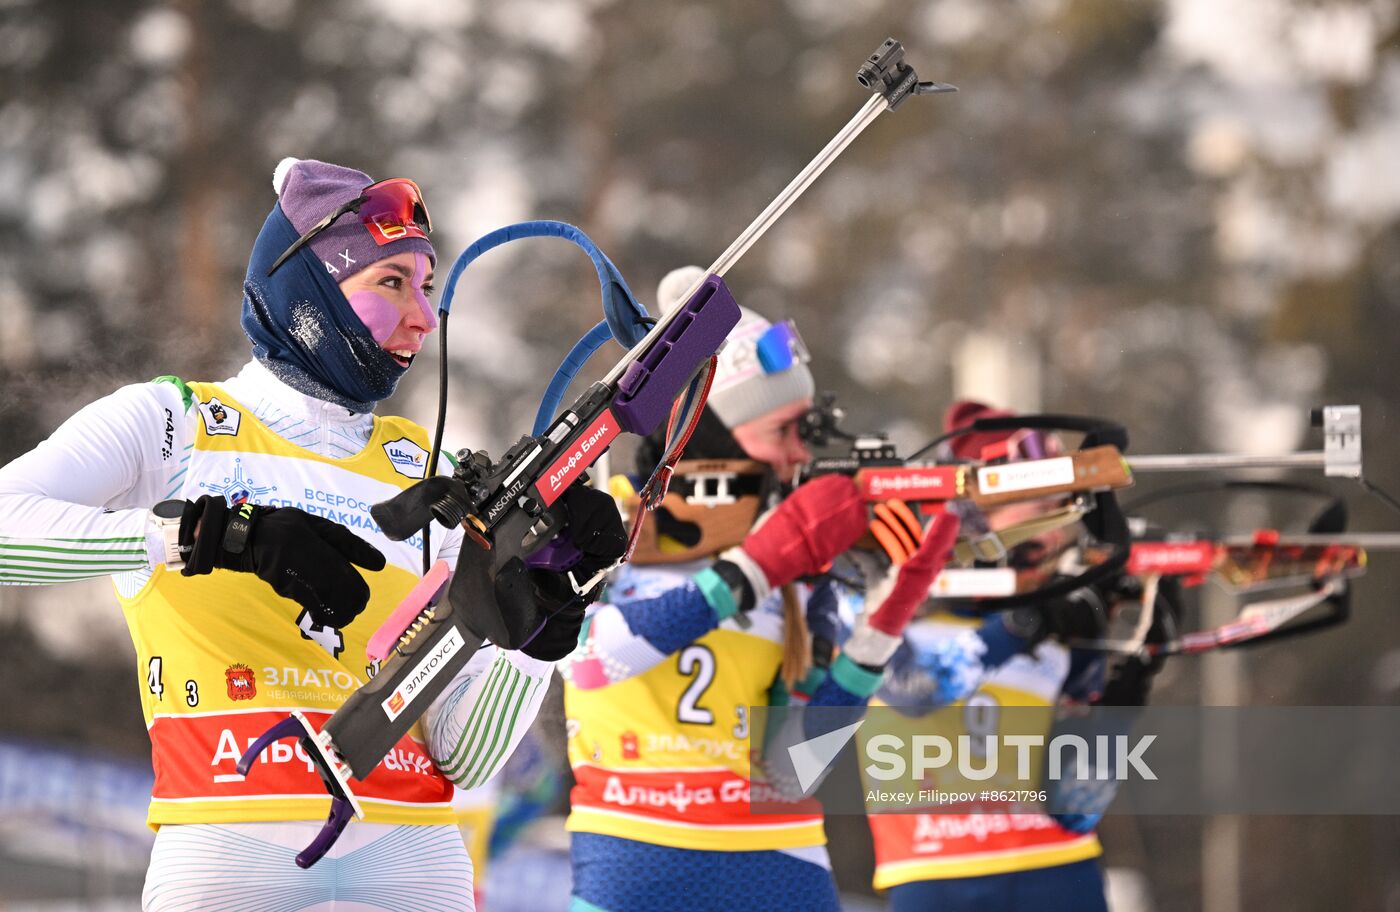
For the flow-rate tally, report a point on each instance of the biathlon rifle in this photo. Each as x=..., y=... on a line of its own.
x=1315, y=565
x=1086, y=478
x=511, y=507
x=1320, y=561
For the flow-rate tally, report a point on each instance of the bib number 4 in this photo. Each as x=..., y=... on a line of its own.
x=328, y=638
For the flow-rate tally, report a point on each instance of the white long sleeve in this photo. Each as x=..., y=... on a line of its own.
x=474, y=726
x=76, y=506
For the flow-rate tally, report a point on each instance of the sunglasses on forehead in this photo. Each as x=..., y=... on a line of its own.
x=390, y=209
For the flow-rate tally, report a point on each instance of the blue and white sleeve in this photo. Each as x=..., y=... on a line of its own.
x=621, y=641
x=947, y=669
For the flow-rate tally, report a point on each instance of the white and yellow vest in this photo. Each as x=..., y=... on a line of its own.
x=911, y=847
x=664, y=757
x=222, y=657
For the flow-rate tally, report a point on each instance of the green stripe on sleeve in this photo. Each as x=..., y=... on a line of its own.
x=492, y=713
x=186, y=393
x=495, y=678
x=64, y=555
x=498, y=747
x=717, y=592
x=127, y=539
x=860, y=681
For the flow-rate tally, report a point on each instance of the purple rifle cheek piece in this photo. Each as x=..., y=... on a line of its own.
x=558, y=555
x=652, y=382
x=379, y=315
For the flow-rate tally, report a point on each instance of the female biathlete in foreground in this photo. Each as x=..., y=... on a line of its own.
x=693, y=633
x=252, y=587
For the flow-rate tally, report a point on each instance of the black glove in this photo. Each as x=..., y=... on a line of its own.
x=304, y=558
x=595, y=528
x=531, y=609
x=1081, y=615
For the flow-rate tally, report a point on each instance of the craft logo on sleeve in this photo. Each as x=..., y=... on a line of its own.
x=407, y=457
x=242, y=683
x=219, y=418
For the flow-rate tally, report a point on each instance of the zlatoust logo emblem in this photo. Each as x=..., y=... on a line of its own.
x=242, y=683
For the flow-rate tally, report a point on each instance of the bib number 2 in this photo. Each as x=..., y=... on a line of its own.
x=700, y=662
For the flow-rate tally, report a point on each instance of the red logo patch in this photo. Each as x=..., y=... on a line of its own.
x=242, y=683
x=396, y=701
x=1171, y=557
x=912, y=483
x=629, y=746
x=586, y=446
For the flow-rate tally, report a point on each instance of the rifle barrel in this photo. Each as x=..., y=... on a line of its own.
x=873, y=108
x=1371, y=541
x=1190, y=462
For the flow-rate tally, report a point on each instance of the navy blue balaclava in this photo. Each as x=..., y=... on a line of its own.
x=302, y=327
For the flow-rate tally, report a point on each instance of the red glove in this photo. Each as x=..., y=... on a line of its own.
x=915, y=576
x=814, y=524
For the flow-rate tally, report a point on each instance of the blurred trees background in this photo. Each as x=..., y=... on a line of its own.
x=1184, y=214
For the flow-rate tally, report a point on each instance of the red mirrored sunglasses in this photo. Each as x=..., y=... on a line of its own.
x=391, y=210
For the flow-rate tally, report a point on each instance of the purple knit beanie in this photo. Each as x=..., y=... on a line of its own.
x=310, y=190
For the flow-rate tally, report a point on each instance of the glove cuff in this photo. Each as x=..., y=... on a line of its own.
x=849, y=674
x=869, y=646
x=719, y=591
x=753, y=574
x=202, y=527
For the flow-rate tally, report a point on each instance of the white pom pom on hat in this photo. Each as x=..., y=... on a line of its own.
x=677, y=282
x=279, y=174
